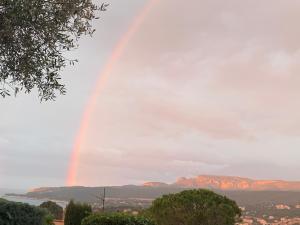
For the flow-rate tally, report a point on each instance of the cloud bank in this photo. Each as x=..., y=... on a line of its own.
x=204, y=87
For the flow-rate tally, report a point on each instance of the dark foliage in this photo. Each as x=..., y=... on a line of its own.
x=12, y=213
x=53, y=208
x=116, y=219
x=76, y=212
x=194, y=207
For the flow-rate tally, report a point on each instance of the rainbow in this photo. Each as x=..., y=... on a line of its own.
x=90, y=106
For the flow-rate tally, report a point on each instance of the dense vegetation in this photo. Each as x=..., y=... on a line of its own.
x=34, y=35
x=12, y=213
x=194, y=207
x=76, y=212
x=116, y=219
x=56, y=210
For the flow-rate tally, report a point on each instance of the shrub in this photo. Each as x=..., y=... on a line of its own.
x=56, y=210
x=116, y=219
x=76, y=212
x=13, y=213
x=194, y=207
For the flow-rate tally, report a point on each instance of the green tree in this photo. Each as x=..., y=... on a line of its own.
x=194, y=207
x=12, y=213
x=76, y=212
x=34, y=35
x=56, y=210
x=116, y=219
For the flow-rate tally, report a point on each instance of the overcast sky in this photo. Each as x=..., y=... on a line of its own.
x=208, y=87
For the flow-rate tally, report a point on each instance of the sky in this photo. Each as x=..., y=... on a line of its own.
x=204, y=87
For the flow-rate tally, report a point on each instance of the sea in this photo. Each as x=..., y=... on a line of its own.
x=30, y=201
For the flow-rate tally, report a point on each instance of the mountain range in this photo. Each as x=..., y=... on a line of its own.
x=243, y=190
x=231, y=183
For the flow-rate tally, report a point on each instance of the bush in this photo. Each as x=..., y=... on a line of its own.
x=194, y=207
x=12, y=213
x=76, y=212
x=116, y=219
x=56, y=210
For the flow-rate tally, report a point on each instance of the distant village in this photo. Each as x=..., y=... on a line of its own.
x=282, y=215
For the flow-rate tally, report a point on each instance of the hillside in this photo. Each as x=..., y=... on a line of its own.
x=243, y=190
x=87, y=194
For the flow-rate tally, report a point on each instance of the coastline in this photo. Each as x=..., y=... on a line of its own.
x=31, y=201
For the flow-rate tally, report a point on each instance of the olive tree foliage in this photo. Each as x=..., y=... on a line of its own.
x=34, y=36
x=194, y=207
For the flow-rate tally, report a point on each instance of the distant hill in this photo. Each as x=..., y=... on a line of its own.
x=230, y=183
x=237, y=183
x=243, y=190
x=87, y=194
